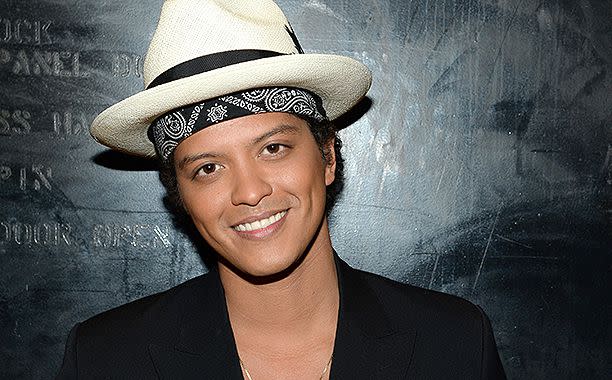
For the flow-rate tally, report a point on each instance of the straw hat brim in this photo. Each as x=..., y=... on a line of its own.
x=340, y=82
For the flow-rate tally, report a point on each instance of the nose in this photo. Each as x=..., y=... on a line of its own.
x=250, y=187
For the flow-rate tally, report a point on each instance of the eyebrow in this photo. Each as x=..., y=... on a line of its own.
x=195, y=157
x=281, y=129
x=285, y=129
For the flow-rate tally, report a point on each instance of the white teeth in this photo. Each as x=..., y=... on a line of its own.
x=259, y=224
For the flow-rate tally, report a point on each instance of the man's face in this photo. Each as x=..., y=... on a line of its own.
x=255, y=189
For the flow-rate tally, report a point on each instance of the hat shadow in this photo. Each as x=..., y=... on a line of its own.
x=354, y=114
x=115, y=160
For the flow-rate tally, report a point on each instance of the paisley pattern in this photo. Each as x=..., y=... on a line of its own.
x=256, y=95
x=175, y=125
x=292, y=101
x=168, y=130
x=216, y=113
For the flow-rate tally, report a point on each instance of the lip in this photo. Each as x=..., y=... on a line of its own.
x=256, y=217
x=262, y=232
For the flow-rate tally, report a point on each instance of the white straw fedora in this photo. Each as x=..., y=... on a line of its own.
x=204, y=49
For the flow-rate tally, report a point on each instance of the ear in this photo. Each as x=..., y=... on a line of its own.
x=330, y=162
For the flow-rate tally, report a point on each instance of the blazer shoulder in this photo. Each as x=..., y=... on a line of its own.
x=453, y=335
x=404, y=299
x=125, y=335
x=151, y=314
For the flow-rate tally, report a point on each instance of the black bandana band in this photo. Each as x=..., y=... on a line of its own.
x=168, y=130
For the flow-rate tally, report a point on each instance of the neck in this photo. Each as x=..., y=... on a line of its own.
x=299, y=306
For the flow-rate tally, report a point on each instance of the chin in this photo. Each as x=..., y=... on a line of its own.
x=264, y=268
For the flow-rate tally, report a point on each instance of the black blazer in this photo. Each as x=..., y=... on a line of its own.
x=386, y=330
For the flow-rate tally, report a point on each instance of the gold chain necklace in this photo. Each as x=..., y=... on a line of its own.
x=248, y=375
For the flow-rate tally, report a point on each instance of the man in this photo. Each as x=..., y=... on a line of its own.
x=239, y=118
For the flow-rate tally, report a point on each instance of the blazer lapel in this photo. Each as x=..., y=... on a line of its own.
x=368, y=345
x=205, y=347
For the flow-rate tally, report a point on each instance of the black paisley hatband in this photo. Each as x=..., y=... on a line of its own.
x=168, y=130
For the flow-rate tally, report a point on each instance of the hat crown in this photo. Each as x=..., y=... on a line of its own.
x=203, y=49
x=189, y=29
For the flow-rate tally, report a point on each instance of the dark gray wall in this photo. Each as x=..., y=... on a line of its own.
x=483, y=168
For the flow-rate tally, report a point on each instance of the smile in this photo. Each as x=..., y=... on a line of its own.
x=259, y=224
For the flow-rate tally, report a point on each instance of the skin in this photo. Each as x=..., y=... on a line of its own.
x=280, y=281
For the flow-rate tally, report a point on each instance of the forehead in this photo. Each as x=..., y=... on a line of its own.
x=243, y=131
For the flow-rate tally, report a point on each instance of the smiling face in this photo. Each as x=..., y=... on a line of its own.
x=255, y=189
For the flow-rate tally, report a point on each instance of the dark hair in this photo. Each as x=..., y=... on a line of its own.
x=323, y=133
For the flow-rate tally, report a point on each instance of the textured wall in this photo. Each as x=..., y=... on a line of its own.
x=483, y=168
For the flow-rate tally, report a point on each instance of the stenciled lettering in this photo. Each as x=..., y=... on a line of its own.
x=127, y=65
x=5, y=232
x=63, y=64
x=25, y=32
x=37, y=177
x=65, y=123
x=138, y=236
x=22, y=233
x=47, y=234
x=161, y=235
x=71, y=123
x=42, y=176
x=5, y=172
x=16, y=122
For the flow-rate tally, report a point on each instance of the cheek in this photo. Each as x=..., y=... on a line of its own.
x=206, y=215
x=199, y=203
x=307, y=178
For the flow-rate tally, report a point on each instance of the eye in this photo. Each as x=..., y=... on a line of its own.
x=274, y=149
x=207, y=169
